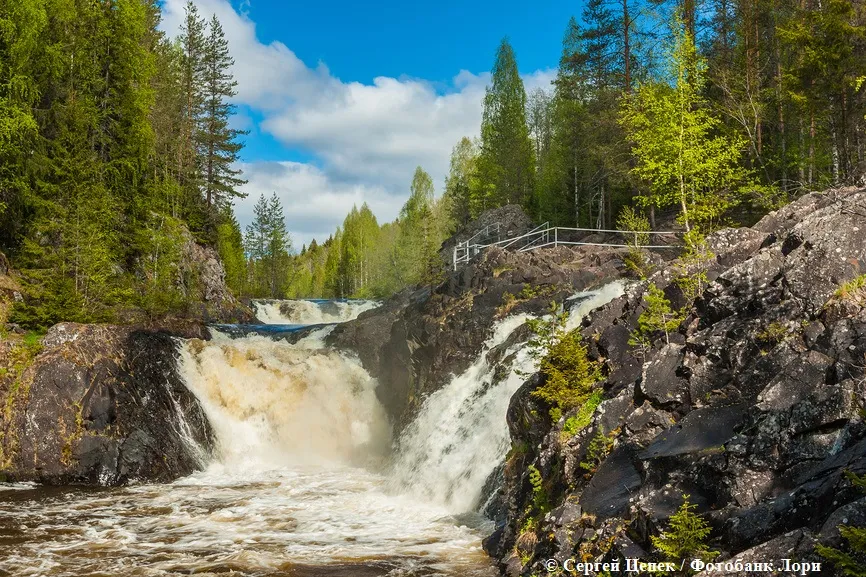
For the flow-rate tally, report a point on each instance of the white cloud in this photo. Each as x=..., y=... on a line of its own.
x=368, y=138
x=314, y=204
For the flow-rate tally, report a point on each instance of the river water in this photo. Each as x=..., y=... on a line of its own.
x=305, y=479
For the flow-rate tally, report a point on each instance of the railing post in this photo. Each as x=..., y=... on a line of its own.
x=555, y=236
x=455, y=257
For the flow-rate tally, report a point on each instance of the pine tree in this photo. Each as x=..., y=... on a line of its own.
x=193, y=44
x=218, y=143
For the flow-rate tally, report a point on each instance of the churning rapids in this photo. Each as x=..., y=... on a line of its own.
x=305, y=480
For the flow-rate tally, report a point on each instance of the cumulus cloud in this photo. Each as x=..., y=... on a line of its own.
x=367, y=138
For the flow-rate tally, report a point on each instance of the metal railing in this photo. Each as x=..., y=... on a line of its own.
x=540, y=237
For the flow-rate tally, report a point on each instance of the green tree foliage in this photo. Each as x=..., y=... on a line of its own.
x=366, y=260
x=686, y=537
x=230, y=244
x=658, y=317
x=217, y=141
x=21, y=24
x=462, y=183
x=505, y=164
x=569, y=374
x=681, y=156
x=267, y=245
x=99, y=167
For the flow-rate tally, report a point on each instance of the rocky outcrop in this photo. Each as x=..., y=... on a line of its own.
x=754, y=407
x=97, y=405
x=212, y=300
x=417, y=341
x=491, y=226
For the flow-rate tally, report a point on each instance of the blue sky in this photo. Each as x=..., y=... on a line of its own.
x=344, y=99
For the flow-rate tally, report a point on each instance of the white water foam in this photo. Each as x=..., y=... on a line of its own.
x=306, y=312
x=274, y=404
x=460, y=434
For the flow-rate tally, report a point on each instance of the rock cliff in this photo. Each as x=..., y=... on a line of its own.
x=754, y=407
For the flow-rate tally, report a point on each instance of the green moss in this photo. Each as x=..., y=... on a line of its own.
x=580, y=420
x=21, y=357
x=850, y=288
x=497, y=271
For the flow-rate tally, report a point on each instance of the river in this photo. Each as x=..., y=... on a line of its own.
x=305, y=479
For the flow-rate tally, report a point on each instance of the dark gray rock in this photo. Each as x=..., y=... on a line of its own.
x=613, y=485
x=754, y=409
x=700, y=430
x=101, y=405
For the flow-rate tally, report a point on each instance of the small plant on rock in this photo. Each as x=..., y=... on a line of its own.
x=852, y=562
x=598, y=450
x=631, y=220
x=658, y=317
x=773, y=334
x=852, y=288
x=692, y=266
x=686, y=537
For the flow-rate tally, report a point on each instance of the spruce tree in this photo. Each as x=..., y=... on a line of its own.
x=193, y=44
x=218, y=145
x=506, y=168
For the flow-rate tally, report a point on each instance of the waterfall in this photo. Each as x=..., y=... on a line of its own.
x=273, y=403
x=304, y=479
x=310, y=312
x=460, y=434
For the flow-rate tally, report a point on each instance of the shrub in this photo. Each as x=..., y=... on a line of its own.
x=598, y=450
x=773, y=334
x=853, y=562
x=569, y=373
x=630, y=219
x=692, y=266
x=658, y=317
x=686, y=537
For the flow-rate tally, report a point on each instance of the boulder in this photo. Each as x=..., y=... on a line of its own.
x=99, y=405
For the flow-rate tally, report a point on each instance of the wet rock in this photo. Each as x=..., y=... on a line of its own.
x=101, y=405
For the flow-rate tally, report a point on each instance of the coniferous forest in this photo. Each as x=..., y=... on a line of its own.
x=117, y=148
